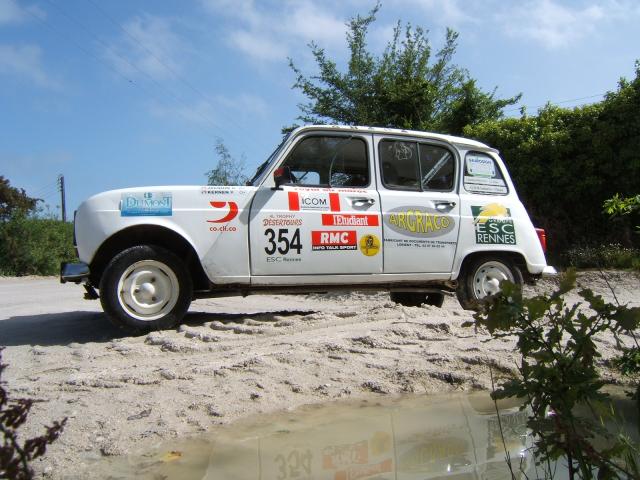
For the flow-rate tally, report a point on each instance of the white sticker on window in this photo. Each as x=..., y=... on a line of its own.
x=480, y=166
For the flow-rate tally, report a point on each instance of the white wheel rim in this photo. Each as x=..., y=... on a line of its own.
x=487, y=278
x=148, y=290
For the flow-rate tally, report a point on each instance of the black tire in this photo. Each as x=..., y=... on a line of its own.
x=415, y=299
x=145, y=273
x=473, y=290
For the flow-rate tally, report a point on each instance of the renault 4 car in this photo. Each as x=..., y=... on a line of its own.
x=333, y=208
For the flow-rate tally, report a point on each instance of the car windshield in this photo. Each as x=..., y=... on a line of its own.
x=263, y=167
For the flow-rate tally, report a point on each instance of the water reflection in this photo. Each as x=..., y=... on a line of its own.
x=412, y=438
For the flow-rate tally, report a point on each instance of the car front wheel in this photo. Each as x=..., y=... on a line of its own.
x=482, y=277
x=145, y=288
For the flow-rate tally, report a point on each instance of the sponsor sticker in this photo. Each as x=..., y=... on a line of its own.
x=493, y=224
x=369, y=245
x=281, y=220
x=350, y=220
x=147, y=204
x=222, y=190
x=419, y=222
x=480, y=166
x=365, y=471
x=324, y=240
x=318, y=201
x=340, y=456
x=225, y=211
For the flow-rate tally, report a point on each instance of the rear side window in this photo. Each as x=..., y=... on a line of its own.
x=482, y=175
x=416, y=166
x=329, y=161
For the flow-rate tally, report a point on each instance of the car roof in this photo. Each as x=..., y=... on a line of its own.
x=461, y=141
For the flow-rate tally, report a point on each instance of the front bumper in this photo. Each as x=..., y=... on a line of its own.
x=74, y=272
x=549, y=271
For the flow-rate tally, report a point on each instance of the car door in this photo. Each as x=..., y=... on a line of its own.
x=420, y=204
x=326, y=218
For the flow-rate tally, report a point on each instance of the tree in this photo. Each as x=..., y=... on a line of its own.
x=403, y=88
x=229, y=170
x=14, y=200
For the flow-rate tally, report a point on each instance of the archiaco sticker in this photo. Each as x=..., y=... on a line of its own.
x=493, y=224
x=419, y=222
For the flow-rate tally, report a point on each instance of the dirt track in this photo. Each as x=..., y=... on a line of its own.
x=232, y=358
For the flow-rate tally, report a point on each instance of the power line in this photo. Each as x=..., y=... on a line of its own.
x=516, y=109
x=158, y=59
x=210, y=122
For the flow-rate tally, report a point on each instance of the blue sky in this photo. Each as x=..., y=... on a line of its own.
x=122, y=93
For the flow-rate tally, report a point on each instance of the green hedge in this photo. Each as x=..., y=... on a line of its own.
x=567, y=162
x=34, y=246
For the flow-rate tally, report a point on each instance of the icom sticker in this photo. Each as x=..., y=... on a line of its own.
x=493, y=224
x=325, y=240
x=318, y=201
x=419, y=222
x=147, y=204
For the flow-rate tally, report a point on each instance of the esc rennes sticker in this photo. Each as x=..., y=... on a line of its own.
x=493, y=224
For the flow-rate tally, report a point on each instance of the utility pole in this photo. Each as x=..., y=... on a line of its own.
x=62, y=196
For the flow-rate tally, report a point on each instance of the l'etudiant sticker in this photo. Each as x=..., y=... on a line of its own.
x=146, y=204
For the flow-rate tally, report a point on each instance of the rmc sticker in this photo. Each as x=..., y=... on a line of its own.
x=325, y=240
x=493, y=224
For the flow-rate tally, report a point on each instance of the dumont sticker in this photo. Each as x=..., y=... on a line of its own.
x=493, y=224
x=334, y=240
x=347, y=220
x=319, y=201
x=419, y=222
x=369, y=245
x=147, y=204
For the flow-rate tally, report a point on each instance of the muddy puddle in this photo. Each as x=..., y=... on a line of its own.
x=452, y=436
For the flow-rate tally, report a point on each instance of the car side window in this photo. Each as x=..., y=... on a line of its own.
x=482, y=175
x=400, y=165
x=416, y=166
x=329, y=161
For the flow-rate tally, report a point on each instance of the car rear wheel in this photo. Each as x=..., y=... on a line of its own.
x=145, y=288
x=415, y=299
x=482, y=277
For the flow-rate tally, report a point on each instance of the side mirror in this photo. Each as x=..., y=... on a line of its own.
x=281, y=176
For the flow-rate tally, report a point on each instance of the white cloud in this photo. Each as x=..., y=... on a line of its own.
x=11, y=12
x=552, y=24
x=25, y=61
x=150, y=46
x=272, y=32
x=245, y=103
x=448, y=12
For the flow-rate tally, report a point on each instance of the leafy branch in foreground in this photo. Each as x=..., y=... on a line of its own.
x=14, y=455
x=558, y=378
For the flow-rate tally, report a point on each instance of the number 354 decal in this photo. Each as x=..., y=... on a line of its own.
x=283, y=243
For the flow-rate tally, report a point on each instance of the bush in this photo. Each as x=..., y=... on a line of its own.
x=567, y=162
x=606, y=256
x=34, y=246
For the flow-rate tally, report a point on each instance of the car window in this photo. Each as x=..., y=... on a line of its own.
x=416, y=166
x=437, y=168
x=329, y=161
x=400, y=165
x=482, y=175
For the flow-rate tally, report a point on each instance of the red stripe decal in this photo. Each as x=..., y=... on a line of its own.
x=334, y=202
x=294, y=201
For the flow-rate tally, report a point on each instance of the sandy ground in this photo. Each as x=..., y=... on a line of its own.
x=232, y=358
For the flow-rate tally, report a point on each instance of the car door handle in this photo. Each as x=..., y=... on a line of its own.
x=443, y=206
x=362, y=202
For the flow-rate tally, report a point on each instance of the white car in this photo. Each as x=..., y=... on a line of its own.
x=333, y=208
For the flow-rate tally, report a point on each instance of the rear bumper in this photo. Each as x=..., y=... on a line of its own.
x=74, y=272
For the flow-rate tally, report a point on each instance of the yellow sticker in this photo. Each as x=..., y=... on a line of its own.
x=369, y=245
